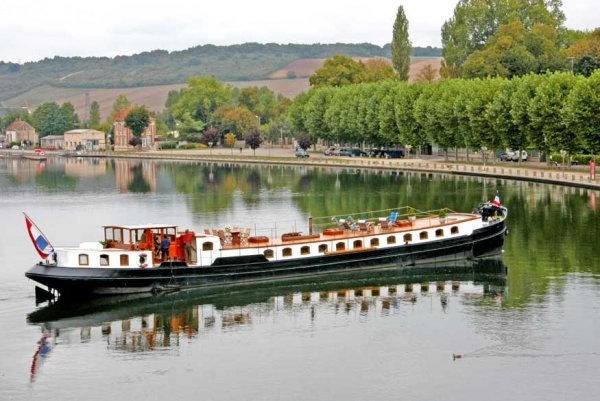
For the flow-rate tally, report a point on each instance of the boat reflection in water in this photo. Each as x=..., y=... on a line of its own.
x=154, y=322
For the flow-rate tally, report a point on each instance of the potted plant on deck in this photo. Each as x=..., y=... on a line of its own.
x=442, y=215
x=412, y=214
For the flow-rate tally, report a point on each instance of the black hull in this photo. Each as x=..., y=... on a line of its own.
x=85, y=282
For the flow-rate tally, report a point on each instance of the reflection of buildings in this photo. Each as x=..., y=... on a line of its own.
x=161, y=330
x=88, y=167
x=135, y=176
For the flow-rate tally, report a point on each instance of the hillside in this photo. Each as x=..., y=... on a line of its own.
x=154, y=96
x=245, y=62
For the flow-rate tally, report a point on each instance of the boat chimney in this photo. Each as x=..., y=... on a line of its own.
x=310, y=226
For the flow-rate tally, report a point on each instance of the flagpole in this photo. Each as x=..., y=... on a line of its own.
x=36, y=226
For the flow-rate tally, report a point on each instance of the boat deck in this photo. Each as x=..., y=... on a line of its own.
x=358, y=230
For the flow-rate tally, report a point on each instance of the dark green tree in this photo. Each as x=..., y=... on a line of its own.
x=94, y=121
x=51, y=119
x=137, y=120
x=401, y=46
x=581, y=113
x=337, y=71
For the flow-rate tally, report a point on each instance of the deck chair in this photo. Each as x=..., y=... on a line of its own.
x=383, y=222
x=364, y=225
x=393, y=217
x=244, y=237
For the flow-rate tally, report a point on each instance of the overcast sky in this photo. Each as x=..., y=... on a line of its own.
x=34, y=29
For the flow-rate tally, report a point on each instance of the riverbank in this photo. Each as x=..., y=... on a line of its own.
x=526, y=171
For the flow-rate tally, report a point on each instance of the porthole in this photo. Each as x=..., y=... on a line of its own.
x=439, y=232
x=374, y=241
x=407, y=238
x=268, y=253
x=287, y=252
x=423, y=235
x=305, y=250
x=84, y=260
x=340, y=246
x=322, y=248
x=391, y=239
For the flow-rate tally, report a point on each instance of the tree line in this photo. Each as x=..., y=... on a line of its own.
x=551, y=113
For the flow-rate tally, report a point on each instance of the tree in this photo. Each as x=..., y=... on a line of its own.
x=230, y=140
x=234, y=119
x=253, y=140
x=94, y=121
x=304, y=141
x=137, y=120
x=475, y=21
x=337, y=71
x=427, y=74
x=120, y=104
x=51, y=119
x=581, y=113
x=401, y=46
x=211, y=136
x=201, y=98
x=377, y=69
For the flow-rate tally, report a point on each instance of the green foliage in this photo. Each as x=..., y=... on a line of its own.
x=137, y=120
x=94, y=121
x=51, y=119
x=337, y=71
x=475, y=21
x=581, y=112
x=549, y=112
x=401, y=46
x=249, y=61
x=199, y=100
x=168, y=145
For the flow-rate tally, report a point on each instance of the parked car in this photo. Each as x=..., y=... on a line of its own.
x=387, y=153
x=302, y=154
x=513, y=156
x=330, y=151
x=357, y=153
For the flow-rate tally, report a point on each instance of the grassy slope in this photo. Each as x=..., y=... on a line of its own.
x=154, y=96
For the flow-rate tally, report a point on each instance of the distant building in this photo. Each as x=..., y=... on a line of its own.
x=122, y=135
x=21, y=132
x=84, y=139
x=53, y=142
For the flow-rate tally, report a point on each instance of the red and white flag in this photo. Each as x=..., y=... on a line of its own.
x=40, y=242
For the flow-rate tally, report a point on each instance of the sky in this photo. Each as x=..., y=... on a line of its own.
x=31, y=30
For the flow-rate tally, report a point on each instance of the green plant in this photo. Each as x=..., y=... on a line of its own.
x=411, y=212
x=442, y=213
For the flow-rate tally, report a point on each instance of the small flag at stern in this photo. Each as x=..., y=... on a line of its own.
x=40, y=242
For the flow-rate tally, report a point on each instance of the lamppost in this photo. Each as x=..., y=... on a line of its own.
x=408, y=148
x=210, y=144
x=258, y=118
x=483, y=152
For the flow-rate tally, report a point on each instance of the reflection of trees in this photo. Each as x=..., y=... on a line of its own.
x=138, y=183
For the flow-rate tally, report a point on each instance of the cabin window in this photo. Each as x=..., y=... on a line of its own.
x=391, y=239
x=124, y=260
x=108, y=234
x=340, y=246
x=305, y=250
x=323, y=248
x=84, y=260
x=287, y=252
x=374, y=241
x=357, y=244
x=407, y=238
x=104, y=260
x=207, y=246
x=117, y=235
x=454, y=230
x=423, y=235
x=268, y=253
x=439, y=232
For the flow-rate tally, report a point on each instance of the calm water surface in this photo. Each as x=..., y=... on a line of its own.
x=528, y=334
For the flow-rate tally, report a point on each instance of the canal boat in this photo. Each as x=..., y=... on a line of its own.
x=129, y=258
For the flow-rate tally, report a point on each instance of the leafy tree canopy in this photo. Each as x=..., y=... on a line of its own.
x=475, y=21
x=401, y=46
x=137, y=120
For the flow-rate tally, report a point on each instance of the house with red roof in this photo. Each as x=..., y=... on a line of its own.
x=20, y=131
x=122, y=135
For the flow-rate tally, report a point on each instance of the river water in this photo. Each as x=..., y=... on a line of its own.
x=525, y=327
